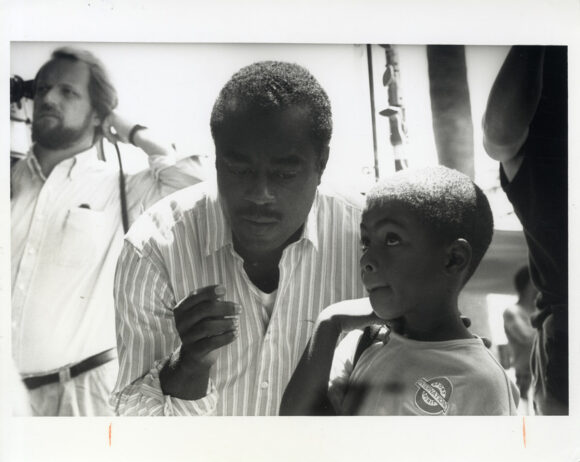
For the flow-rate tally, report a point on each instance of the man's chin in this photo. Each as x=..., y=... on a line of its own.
x=258, y=239
x=55, y=138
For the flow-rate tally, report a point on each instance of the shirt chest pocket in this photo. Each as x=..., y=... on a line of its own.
x=84, y=238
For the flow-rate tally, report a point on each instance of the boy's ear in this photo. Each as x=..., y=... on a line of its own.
x=458, y=256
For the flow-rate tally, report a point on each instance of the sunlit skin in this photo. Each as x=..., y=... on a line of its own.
x=64, y=120
x=268, y=170
x=62, y=106
x=412, y=278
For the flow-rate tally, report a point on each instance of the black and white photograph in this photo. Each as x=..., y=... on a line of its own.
x=324, y=242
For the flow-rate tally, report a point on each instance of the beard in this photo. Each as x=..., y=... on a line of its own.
x=56, y=135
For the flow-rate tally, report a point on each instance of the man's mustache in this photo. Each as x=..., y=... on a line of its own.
x=259, y=212
x=46, y=109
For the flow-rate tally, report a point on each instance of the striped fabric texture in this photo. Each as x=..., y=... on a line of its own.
x=184, y=243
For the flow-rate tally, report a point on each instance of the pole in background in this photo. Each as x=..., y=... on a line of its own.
x=374, y=122
x=395, y=111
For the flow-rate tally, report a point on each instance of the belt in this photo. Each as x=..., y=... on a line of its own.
x=68, y=373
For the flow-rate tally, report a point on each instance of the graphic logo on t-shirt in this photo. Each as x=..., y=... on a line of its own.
x=433, y=395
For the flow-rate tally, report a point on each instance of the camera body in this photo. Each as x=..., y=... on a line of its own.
x=20, y=88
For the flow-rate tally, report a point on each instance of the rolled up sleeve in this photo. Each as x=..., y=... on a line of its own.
x=146, y=339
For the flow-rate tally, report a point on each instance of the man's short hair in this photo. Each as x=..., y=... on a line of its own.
x=101, y=90
x=446, y=201
x=266, y=87
x=522, y=279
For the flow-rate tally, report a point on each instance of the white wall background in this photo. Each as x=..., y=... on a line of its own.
x=173, y=87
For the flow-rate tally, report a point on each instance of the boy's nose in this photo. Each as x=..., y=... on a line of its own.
x=367, y=265
x=368, y=268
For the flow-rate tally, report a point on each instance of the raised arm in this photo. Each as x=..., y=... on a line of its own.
x=512, y=103
x=307, y=391
x=166, y=173
x=166, y=348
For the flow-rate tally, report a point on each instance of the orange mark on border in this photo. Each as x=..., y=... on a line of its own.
x=524, y=430
x=110, y=425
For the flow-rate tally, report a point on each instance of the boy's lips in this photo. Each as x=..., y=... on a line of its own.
x=373, y=287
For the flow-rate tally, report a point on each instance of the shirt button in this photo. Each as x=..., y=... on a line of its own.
x=264, y=384
x=31, y=250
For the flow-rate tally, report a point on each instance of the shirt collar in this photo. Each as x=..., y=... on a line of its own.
x=75, y=164
x=33, y=164
x=218, y=233
x=217, y=230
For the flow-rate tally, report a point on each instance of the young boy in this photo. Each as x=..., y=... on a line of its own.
x=423, y=234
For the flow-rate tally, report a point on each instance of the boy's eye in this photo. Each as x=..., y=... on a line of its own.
x=392, y=239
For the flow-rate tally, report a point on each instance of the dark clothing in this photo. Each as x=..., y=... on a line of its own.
x=539, y=195
x=549, y=362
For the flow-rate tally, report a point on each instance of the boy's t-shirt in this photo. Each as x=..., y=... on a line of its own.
x=409, y=377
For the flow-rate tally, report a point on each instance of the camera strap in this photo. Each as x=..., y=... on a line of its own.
x=122, y=192
x=122, y=187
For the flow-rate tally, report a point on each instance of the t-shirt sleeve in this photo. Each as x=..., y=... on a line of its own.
x=341, y=369
x=496, y=394
x=502, y=400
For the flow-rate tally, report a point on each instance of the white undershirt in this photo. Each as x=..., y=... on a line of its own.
x=267, y=302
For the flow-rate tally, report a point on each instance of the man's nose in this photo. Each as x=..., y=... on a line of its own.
x=49, y=96
x=260, y=190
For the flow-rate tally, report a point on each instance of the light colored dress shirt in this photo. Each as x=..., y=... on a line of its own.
x=66, y=237
x=184, y=243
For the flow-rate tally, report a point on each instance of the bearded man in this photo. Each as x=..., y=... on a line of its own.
x=67, y=232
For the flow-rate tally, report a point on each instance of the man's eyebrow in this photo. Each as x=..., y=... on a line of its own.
x=236, y=156
x=291, y=161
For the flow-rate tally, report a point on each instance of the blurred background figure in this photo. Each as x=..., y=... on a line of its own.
x=519, y=330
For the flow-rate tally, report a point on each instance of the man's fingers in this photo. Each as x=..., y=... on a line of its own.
x=186, y=319
x=107, y=132
x=210, y=328
x=207, y=345
x=206, y=293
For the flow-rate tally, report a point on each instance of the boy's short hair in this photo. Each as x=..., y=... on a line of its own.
x=270, y=86
x=446, y=201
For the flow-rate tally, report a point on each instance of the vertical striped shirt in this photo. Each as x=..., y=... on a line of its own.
x=184, y=243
